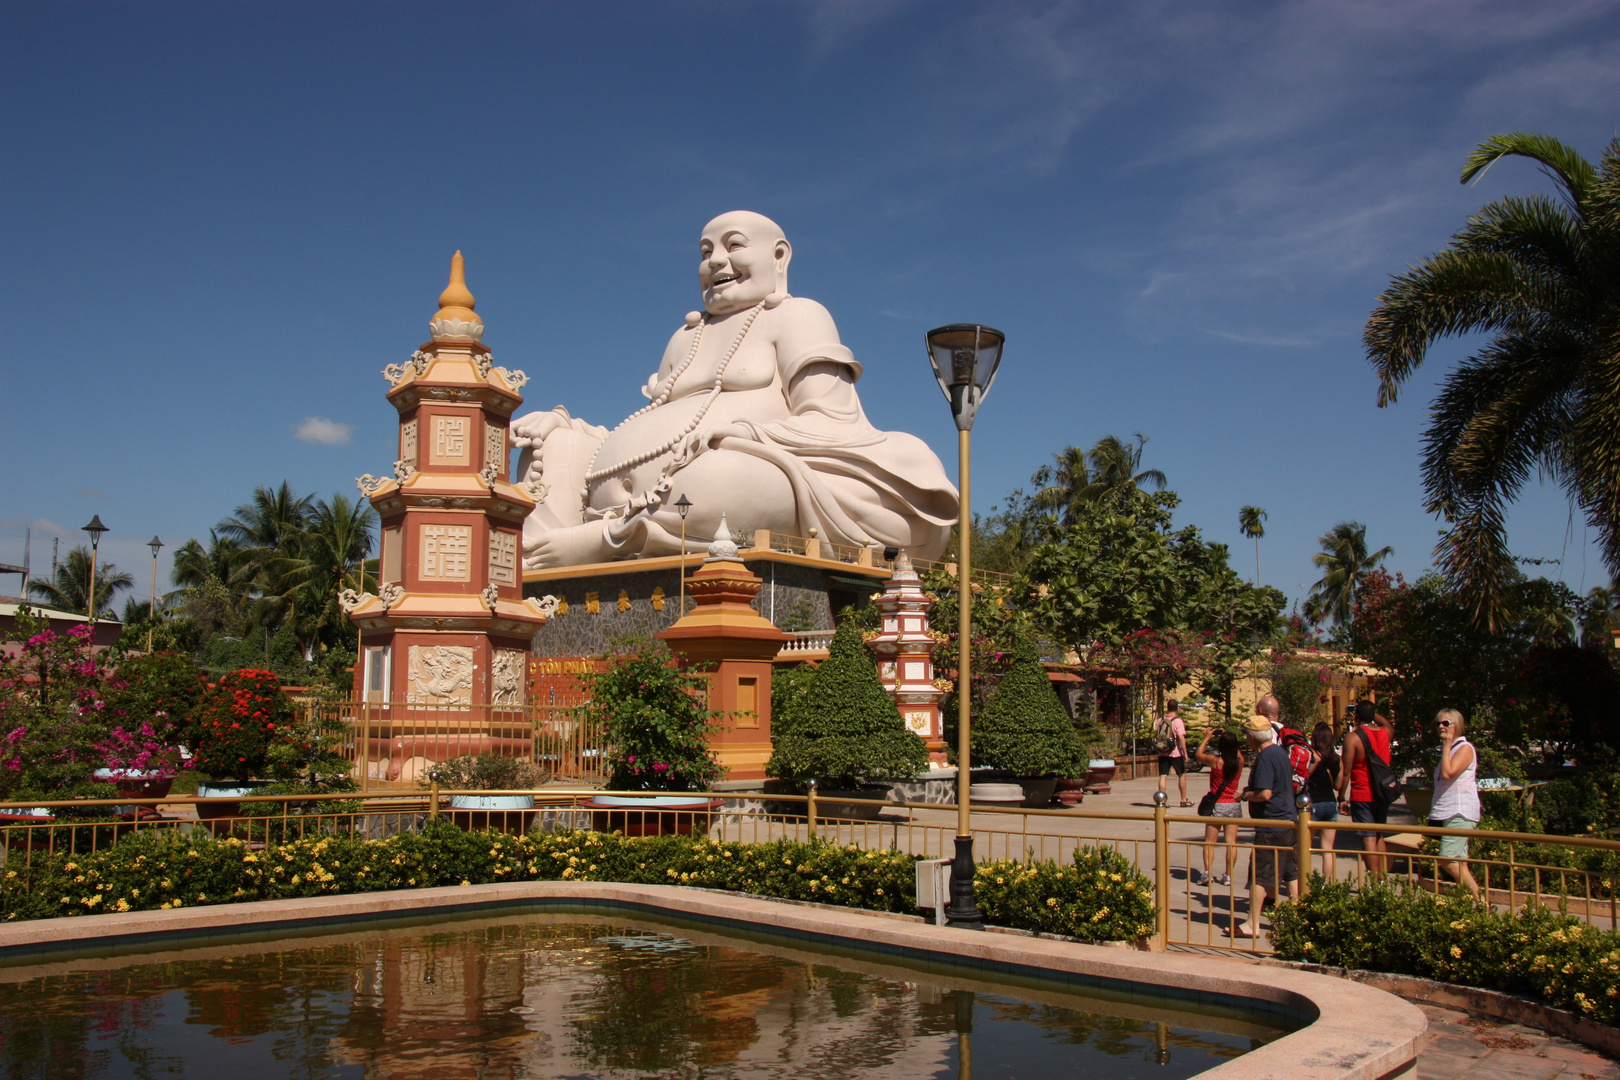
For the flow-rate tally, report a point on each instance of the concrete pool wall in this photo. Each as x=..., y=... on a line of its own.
x=1350, y=1032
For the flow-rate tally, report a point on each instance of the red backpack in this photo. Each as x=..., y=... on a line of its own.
x=1299, y=756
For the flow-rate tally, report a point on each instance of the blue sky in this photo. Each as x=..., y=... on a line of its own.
x=221, y=220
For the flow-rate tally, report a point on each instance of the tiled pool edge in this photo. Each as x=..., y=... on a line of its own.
x=1359, y=1033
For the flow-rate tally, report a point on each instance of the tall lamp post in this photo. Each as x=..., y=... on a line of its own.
x=95, y=529
x=151, y=609
x=683, y=506
x=965, y=357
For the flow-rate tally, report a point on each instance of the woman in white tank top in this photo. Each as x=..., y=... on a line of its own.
x=1456, y=796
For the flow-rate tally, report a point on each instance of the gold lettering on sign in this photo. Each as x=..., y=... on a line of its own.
x=503, y=558
x=624, y=600
x=447, y=552
x=540, y=667
x=562, y=605
x=407, y=443
x=593, y=603
x=450, y=440
x=495, y=449
x=658, y=598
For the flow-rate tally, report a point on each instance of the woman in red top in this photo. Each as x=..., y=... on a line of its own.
x=1225, y=781
x=1355, y=785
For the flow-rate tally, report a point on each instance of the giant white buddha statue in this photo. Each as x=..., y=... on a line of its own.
x=752, y=414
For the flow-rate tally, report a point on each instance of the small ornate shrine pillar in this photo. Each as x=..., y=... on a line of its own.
x=725, y=631
x=905, y=648
x=450, y=626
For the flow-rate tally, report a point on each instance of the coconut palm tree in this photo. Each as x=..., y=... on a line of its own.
x=215, y=583
x=1345, y=565
x=1541, y=276
x=69, y=590
x=1251, y=523
x=1115, y=466
x=330, y=554
x=1062, y=485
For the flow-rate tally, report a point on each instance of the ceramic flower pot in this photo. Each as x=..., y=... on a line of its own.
x=137, y=784
x=1005, y=795
x=219, y=802
x=652, y=815
x=23, y=839
x=1038, y=790
x=1419, y=799
x=1100, y=775
x=504, y=813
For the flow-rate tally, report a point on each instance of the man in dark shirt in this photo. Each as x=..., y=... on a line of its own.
x=1272, y=805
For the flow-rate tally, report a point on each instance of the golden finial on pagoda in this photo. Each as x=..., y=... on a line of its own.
x=455, y=318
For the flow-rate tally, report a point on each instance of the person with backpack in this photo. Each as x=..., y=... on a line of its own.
x=1225, y=776
x=1170, y=742
x=1301, y=754
x=1367, y=784
x=1274, y=809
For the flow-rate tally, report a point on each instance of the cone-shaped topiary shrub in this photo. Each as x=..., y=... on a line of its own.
x=846, y=730
x=1024, y=727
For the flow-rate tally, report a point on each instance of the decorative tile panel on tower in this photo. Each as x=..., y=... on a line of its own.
x=448, y=629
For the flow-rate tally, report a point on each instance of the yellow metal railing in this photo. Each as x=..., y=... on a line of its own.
x=1513, y=869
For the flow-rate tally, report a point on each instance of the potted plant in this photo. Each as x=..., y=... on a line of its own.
x=141, y=762
x=507, y=812
x=846, y=732
x=238, y=721
x=656, y=729
x=1025, y=730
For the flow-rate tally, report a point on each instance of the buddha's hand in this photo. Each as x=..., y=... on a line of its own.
x=707, y=438
x=532, y=430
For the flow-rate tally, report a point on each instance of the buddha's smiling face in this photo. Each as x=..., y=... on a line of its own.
x=744, y=259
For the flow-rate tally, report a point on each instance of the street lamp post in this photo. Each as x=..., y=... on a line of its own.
x=683, y=506
x=95, y=529
x=151, y=609
x=965, y=357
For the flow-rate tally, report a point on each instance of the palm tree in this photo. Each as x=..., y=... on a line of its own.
x=70, y=589
x=1251, y=523
x=1542, y=396
x=215, y=583
x=330, y=554
x=1114, y=468
x=1063, y=484
x=267, y=528
x=1345, y=565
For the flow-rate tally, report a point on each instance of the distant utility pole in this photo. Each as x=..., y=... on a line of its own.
x=55, y=540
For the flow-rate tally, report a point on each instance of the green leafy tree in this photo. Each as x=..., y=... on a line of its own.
x=851, y=732
x=653, y=720
x=1024, y=728
x=1345, y=563
x=1252, y=524
x=69, y=588
x=1542, y=396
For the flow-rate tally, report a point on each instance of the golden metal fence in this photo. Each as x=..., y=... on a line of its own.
x=1579, y=874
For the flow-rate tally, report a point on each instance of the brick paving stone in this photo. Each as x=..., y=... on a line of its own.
x=1464, y=1047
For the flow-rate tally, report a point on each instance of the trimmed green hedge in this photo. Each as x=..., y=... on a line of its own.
x=1535, y=952
x=1099, y=898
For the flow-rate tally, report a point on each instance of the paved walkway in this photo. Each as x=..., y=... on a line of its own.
x=1479, y=1048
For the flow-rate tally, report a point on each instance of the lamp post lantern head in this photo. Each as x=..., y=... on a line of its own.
x=154, y=544
x=965, y=357
x=95, y=529
x=683, y=506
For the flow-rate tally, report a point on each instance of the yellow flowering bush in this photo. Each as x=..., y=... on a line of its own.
x=1536, y=951
x=1100, y=896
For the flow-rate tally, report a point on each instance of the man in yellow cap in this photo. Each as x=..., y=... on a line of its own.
x=1272, y=805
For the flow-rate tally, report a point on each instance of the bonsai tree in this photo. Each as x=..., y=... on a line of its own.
x=845, y=729
x=1024, y=728
x=653, y=721
x=488, y=772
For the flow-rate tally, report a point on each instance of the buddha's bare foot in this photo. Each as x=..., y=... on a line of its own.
x=568, y=546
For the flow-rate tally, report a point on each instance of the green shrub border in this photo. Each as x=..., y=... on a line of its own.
x=1100, y=896
x=1535, y=952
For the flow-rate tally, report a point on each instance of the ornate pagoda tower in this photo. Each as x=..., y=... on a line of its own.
x=450, y=626
x=905, y=648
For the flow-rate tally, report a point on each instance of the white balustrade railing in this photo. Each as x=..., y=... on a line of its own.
x=802, y=641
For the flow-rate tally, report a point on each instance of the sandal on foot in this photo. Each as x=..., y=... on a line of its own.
x=1252, y=933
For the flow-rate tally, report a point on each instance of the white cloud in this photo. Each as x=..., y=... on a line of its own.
x=318, y=429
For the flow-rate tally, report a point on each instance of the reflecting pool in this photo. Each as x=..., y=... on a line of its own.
x=579, y=995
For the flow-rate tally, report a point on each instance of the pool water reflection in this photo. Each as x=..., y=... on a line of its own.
x=559, y=995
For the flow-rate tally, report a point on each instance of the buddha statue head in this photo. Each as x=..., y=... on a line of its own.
x=745, y=258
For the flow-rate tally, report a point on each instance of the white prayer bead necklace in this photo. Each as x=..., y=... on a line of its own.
x=593, y=474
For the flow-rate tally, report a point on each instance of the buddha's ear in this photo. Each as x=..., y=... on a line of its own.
x=783, y=253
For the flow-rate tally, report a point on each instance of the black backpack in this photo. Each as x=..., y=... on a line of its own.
x=1380, y=777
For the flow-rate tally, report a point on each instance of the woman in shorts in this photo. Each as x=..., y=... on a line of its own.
x=1456, y=796
x=1225, y=781
x=1322, y=788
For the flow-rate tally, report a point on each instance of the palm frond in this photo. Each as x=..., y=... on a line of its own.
x=1572, y=172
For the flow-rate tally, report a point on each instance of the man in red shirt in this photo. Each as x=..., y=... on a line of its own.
x=1355, y=784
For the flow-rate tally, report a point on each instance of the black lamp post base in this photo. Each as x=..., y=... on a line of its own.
x=963, y=912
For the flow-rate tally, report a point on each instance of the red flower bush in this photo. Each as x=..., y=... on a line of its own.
x=240, y=717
